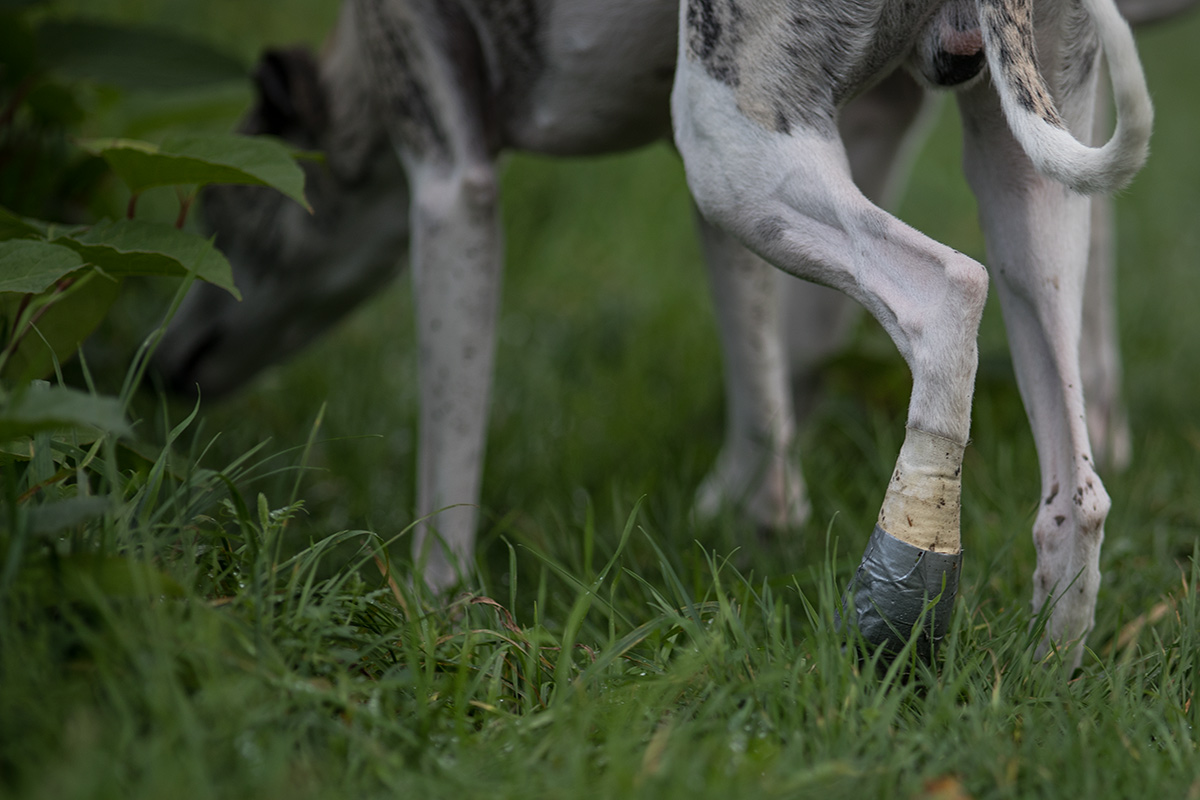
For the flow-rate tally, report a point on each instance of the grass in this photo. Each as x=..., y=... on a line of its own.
x=200, y=643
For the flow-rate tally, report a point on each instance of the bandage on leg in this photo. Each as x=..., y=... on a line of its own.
x=914, y=555
x=923, y=500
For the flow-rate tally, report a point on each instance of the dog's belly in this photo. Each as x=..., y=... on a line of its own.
x=604, y=78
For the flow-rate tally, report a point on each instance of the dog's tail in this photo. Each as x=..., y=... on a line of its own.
x=1008, y=40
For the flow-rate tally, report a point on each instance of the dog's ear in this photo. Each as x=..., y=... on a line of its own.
x=289, y=100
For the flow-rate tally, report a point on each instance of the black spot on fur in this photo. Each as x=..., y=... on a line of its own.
x=705, y=27
x=713, y=36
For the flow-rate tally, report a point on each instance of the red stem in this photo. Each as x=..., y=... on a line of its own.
x=19, y=336
x=185, y=205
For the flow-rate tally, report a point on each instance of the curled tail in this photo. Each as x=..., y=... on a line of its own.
x=1007, y=27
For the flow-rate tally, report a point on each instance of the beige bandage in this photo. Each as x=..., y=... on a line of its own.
x=923, y=501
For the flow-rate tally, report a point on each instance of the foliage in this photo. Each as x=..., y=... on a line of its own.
x=195, y=656
x=49, y=68
x=62, y=468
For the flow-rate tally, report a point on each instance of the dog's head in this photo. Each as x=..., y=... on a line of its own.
x=298, y=272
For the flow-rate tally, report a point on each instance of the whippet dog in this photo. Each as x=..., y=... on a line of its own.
x=757, y=90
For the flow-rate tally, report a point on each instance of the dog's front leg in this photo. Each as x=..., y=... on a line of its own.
x=1037, y=237
x=456, y=257
x=427, y=68
x=787, y=193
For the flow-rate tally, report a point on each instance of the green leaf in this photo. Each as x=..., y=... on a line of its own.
x=48, y=408
x=134, y=57
x=133, y=247
x=29, y=266
x=203, y=159
x=120, y=248
x=16, y=227
x=62, y=326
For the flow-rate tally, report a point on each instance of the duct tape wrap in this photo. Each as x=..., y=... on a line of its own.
x=893, y=586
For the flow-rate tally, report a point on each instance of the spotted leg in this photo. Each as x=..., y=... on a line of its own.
x=1037, y=237
x=433, y=111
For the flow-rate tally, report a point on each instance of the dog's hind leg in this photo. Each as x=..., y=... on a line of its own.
x=755, y=470
x=1037, y=237
x=881, y=130
x=1099, y=348
x=428, y=79
x=788, y=194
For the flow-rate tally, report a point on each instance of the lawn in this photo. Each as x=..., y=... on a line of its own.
x=610, y=646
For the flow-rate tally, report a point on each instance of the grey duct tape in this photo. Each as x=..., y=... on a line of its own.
x=893, y=586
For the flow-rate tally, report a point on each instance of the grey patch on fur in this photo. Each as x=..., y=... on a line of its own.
x=392, y=34
x=892, y=590
x=770, y=229
x=514, y=28
x=714, y=37
x=793, y=63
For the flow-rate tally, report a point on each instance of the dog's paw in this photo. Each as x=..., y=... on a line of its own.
x=770, y=495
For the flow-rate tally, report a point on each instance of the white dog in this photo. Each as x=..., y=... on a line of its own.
x=757, y=90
